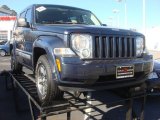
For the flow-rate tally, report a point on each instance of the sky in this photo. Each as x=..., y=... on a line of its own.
x=103, y=9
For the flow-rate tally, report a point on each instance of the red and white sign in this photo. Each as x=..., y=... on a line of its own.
x=7, y=18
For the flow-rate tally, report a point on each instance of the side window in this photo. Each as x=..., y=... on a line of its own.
x=22, y=15
x=87, y=20
x=28, y=15
x=74, y=19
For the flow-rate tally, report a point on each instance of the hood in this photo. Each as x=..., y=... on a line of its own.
x=92, y=29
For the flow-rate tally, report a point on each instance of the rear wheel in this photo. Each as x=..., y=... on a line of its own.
x=2, y=53
x=47, y=87
x=15, y=66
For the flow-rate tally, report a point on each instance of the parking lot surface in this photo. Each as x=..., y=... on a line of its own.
x=4, y=63
x=102, y=112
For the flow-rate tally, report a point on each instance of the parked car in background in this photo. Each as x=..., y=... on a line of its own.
x=4, y=48
x=2, y=42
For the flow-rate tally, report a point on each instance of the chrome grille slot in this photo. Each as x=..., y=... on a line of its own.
x=133, y=47
x=118, y=47
x=128, y=47
x=123, y=47
x=110, y=47
x=96, y=47
x=100, y=48
x=104, y=47
x=114, y=47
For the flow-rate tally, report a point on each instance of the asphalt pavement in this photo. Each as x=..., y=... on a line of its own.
x=4, y=63
x=105, y=111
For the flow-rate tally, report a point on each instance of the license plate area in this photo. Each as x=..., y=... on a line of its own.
x=124, y=72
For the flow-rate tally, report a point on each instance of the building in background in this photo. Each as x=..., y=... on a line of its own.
x=153, y=41
x=7, y=19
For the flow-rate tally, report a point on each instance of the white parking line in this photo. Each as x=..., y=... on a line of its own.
x=88, y=111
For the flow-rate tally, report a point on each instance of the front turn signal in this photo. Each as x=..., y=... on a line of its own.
x=58, y=62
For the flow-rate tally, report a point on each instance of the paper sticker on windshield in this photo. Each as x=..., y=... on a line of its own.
x=40, y=9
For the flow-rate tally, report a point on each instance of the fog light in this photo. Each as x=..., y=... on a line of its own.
x=85, y=53
x=58, y=65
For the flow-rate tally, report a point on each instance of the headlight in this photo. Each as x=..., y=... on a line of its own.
x=82, y=45
x=139, y=46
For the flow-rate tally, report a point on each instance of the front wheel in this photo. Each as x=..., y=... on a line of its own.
x=47, y=87
x=2, y=53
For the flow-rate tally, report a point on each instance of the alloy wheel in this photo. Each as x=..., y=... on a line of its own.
x=42, y=81
x=2, y=53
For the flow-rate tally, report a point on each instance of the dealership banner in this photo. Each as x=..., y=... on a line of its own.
x=7, y=18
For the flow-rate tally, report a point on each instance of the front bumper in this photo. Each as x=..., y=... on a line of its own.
x=100, y=74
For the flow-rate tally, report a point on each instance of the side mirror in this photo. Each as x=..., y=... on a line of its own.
x=22, y=22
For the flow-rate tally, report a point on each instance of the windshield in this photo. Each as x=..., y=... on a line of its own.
x=64, y=15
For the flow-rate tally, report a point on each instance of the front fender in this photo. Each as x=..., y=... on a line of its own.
x=48, y=43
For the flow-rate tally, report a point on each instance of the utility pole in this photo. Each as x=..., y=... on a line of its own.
x=144, y=16
x=125, y=5
x=116, y=12
x=125, y=11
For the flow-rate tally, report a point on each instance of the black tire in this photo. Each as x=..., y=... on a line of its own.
x=47, y=87
x=15, y=66
x=3, y=53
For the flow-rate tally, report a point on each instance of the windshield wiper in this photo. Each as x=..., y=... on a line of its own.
x=60, y=22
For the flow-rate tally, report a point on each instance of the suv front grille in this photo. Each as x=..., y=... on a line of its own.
x=114, y=47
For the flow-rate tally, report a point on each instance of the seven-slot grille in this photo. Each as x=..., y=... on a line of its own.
x=114, y=47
